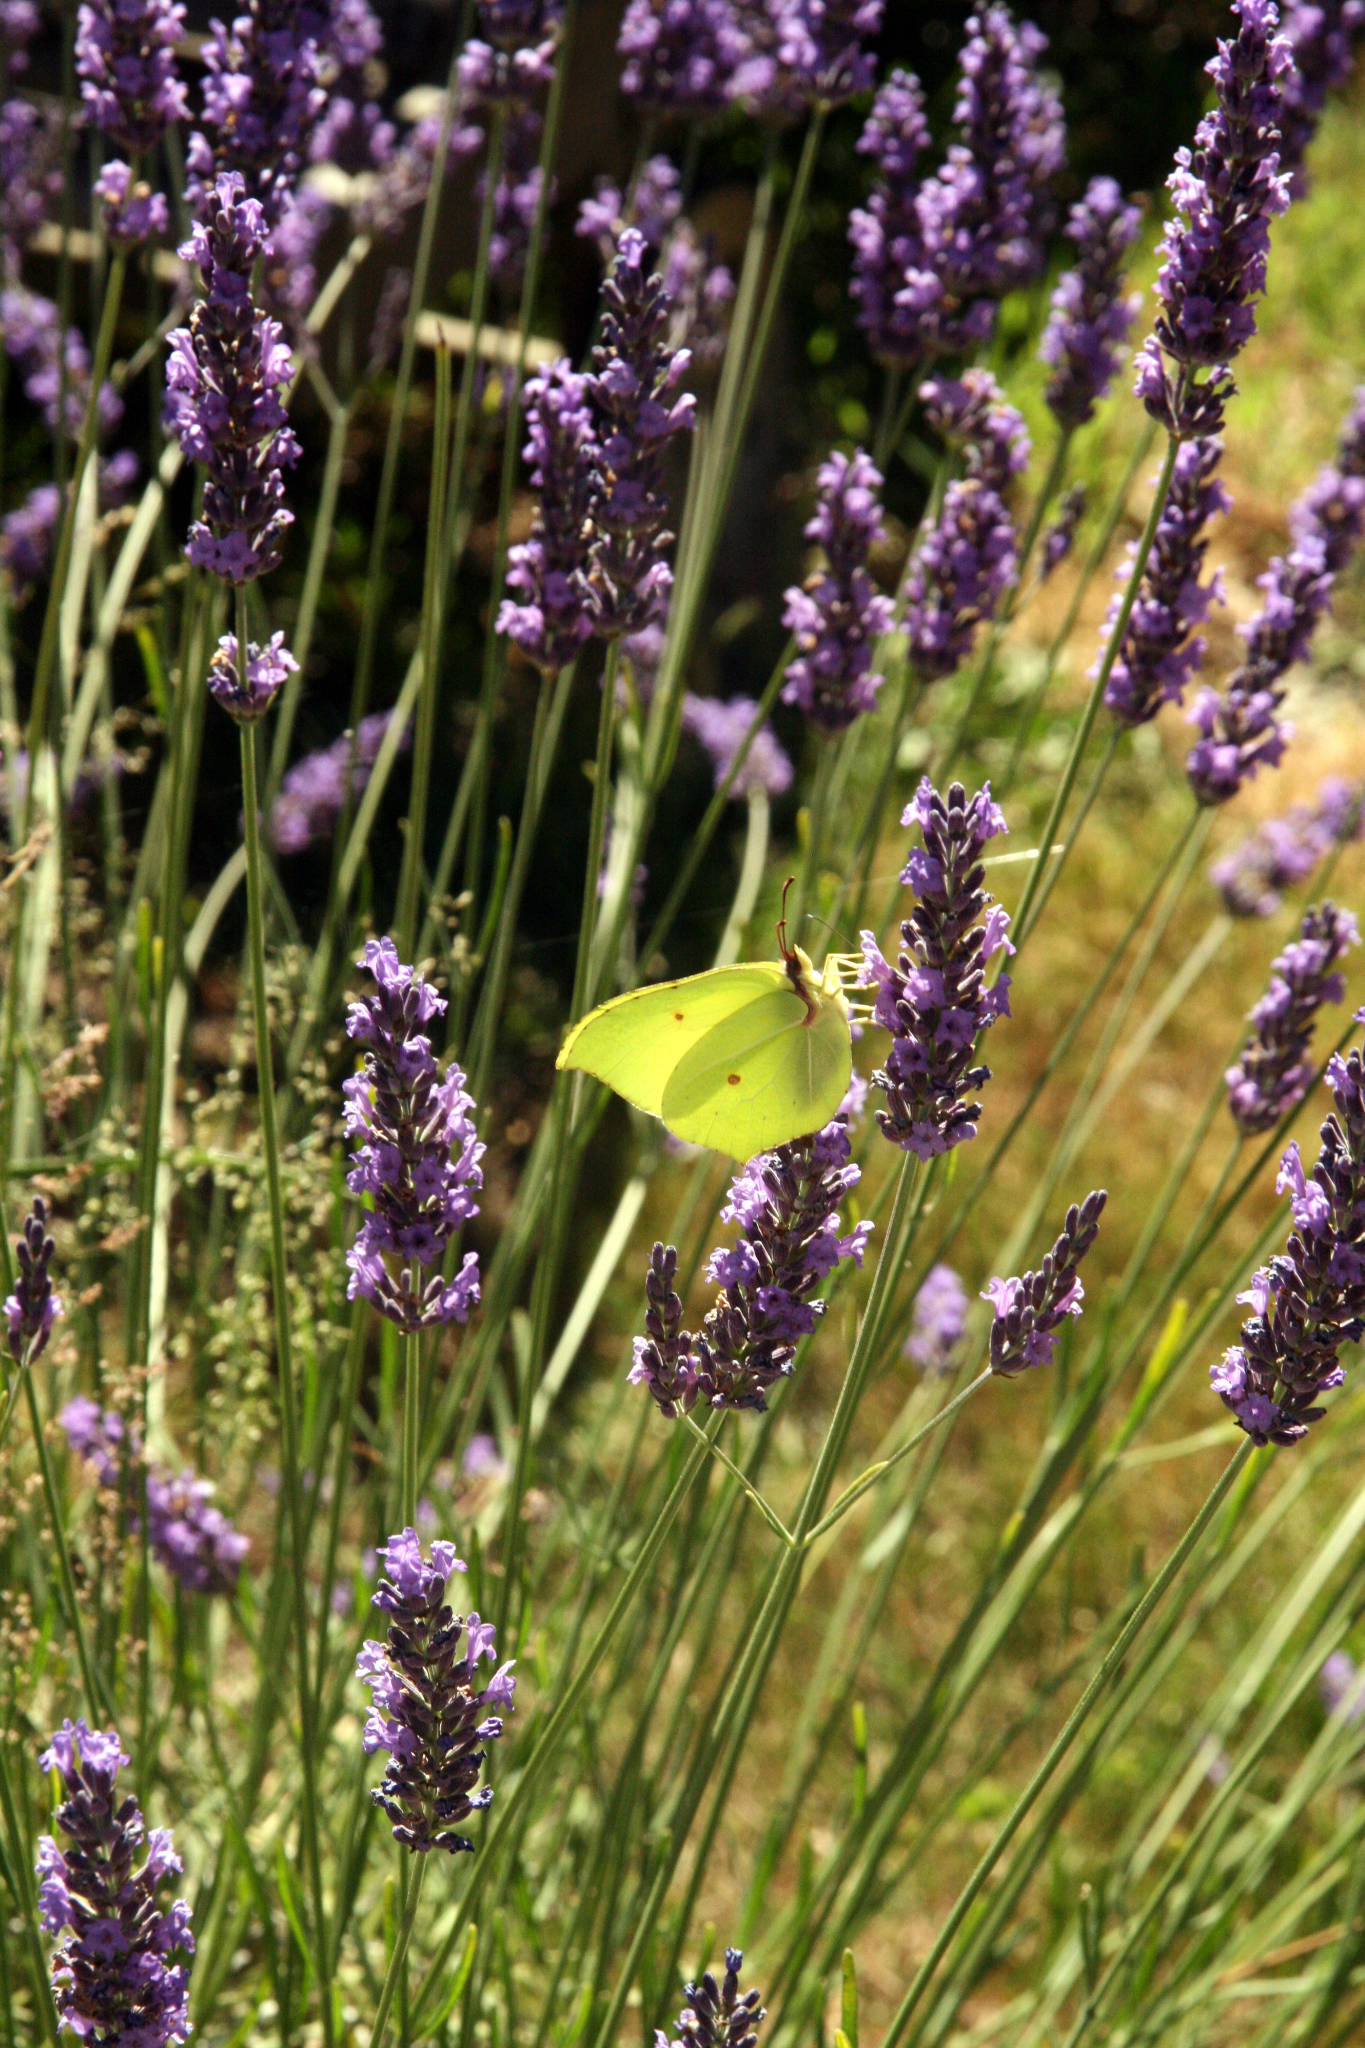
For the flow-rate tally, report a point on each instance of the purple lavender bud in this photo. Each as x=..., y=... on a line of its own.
x=680, y=54
x=516, y=198
x=266, y=669
x=1242, y=731
x=652, y=205
x=700, y=292
x=132, y=212
x=317, y=789
x=35, y=1305
x=261, y=102
x=1319, y=34
x=429, y=1711
x=482, y=1459
x=224, y=379
x=27, y=538
x=967, y=561
x=1274, y=1072
x=1309, y=1300
x=837, y=616
x=550, y=571
x=938, y=1322
x=934, y=1002
x=1027, y=1311
x=1090, y=316
x=1160, y=650
x=125, y=60
x=804, y=53
x=1284, y=851
x=1060, y=537
x=30, y=172
x=786, y=1203
x=351, y=130
x=19, y=23
x=52, y=363
x=719, y=728
x=120, y=1968
x=885, y=235
x=720, y=2015
x=636, y=417
x=1341, y=1683
x=418, y=1155
x=512, y=58
x=289, y=274
x=1214, y=259
x=401, y=186
x=187, y=1533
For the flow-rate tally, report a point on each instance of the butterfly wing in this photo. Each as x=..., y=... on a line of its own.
x=635, y=1042
x=762, y=1076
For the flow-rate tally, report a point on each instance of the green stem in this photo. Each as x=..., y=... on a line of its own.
x=95, y=1694
x=424, y=739
x=393, y=1974
x=412, y=1408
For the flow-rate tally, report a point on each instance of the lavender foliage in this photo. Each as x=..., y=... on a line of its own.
x=1090, y=315
x=1242, y=732
x=125, y=60
x=120, y=1966
x=719, y=727
x=417, y=1156
x=224, y=383
x=1160, y=651
x=934, y=1001
x=317, y=789
x=1284, y=851
x=838, y=616
x=938, y=1322
x=35, y=1305
x=248, y=697
x=1320, y=35
x=1274, y=1072
x=1309, y=1300
x=1029, y=1310
x=786, y=1203
x=186, y=1531
x=1228, y=190
x=429, y=1709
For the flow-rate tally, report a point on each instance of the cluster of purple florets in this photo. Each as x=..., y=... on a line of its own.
x=1284, y=851
x=1090, y=315
x=1274, y=1072
x=1160, y=650
x=429, y=1710
x=1310, y=1299
x=120, y=1966
x=35, y=1305
x=190, y=1535
x=786, y=1203
x=53, y=362
x=1320, y=35
x=418, y=1153
x=125, y=60
x=938, y=1322
x=699, y=291
x=777, y=57
x=934, y=1001
x=317, y=789
x=1029, y=1310
x=837, y=616
x=512, y=57
x=718, y=2015
x=719, y=725
x=261, y=102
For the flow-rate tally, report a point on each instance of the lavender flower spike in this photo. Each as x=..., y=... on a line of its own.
x=718, y=2015
x=1284, y=851
x=316, y=790
x=34, y=1306
x=512, y=57
x=885, y=235
x=934, y=1001
x=1090, y=317
x=680, y=54
x=804, y=53
x=125, y=60
x=1159, y=651
x=1310, y=1299
x=1242, y=731
x=430, y=1709
x=261, y=101
x=1030, y=1309
x=549, y=572
x=120, y=1968
x=418, y=1155
x=266, y=669
x=938, y=1322
x=224, y=381
x=191, y=1536
x=837, y=616
x=787, y=1205
x=1214, y=259
x=719, y=728
x=1274, y=1073
x=1319, y=34
x=1060, y=536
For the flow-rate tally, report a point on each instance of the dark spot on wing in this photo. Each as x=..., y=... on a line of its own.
x=733, y=1079
x=679, y=1016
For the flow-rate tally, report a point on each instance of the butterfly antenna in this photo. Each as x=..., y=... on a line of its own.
x=782, y=946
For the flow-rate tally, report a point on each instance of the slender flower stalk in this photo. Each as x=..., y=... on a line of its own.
x=1309, y=1300
x=934, y=1001
x=35, y=1305
x=120, y=1966
x=838, y=616
x=1160, y=650
x=1028, y=1311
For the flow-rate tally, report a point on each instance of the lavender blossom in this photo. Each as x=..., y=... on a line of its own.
x=1309, y=1300
x=885, y=235
x=1284, y=851
x=837, y=616
x=125, y=60
x=1029, y=1310
x=550, y=570
x=1060, y=536
x=1160, y=651
x=1090, y=316
x=224, y=380
x=428, y=1709
x=1341, y=1687
x=512, y=57
x=27, y=538
x=30, y=174
x=1242, y=731
x=934, y=1001
x=19, y=23
x=261, y=102
x=35, y=1305
x=1274, y=1072
x=131, y=210
x=187, y=1533
x=1319, y=34
x=804, y=53
x=317, y=789
x=401, y=186
x=1214, y=259
x=680, y=54
x=786, y=1203
x=120, y=1968
x=248, y=698
x=700, y=293
x=718, y=2015
x=719, y=728
x=418, y=1156
x=54, y=365
x=938, y=1322
x=351, y=130
x=652, y=205
x=968, y=559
